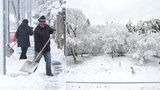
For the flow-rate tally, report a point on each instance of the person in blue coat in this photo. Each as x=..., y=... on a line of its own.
x=22, y=34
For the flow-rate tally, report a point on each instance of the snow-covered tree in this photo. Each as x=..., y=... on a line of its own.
x=115, y=36
x=130, y=27
x=96, y=41
x=49, y=8
x=144, y=26
x=77, y=24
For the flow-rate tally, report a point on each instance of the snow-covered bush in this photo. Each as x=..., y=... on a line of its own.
x=144, y=39
x=143, y=46
x=115, y=36
x=96, y=40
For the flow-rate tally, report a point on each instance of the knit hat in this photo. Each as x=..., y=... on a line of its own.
x=25, y=21
x=42, y=19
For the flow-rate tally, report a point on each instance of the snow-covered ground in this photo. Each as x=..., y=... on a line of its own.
x=106, y=73
x=17, y=80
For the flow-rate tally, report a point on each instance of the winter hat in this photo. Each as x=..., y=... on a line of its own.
x=25, y=21
x=42, y=19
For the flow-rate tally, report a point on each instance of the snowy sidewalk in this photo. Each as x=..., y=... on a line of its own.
x=16, y=80
x=30, y=82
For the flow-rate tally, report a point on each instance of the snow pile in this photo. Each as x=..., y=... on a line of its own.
x=57, y=54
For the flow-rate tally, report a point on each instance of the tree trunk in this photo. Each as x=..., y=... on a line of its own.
x=73, y=54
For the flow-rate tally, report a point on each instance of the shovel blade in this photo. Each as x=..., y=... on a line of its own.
x=9, y=51
x=29, y=67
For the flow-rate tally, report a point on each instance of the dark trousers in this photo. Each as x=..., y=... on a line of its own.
x=47, y=58
x=23, y=53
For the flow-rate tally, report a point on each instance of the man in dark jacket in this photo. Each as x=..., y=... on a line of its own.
x=22, y=34
x=41, y=36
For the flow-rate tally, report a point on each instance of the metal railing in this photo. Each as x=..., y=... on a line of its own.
x=70, y=85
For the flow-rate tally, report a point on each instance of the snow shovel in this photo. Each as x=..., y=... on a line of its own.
x=31, y=66
x=9, y=49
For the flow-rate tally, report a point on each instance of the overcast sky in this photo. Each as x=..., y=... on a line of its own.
x=100, y=11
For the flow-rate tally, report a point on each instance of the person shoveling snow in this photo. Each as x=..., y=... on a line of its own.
x=42, y=47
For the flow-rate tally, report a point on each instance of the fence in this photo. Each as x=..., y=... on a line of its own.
x=112, y=85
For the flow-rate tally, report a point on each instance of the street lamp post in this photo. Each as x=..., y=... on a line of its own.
x=2, y=38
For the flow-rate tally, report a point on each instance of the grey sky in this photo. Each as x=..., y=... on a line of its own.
x=100, y=11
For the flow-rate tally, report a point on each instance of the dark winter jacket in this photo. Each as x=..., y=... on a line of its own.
x=41, y=36
x=22, y=34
